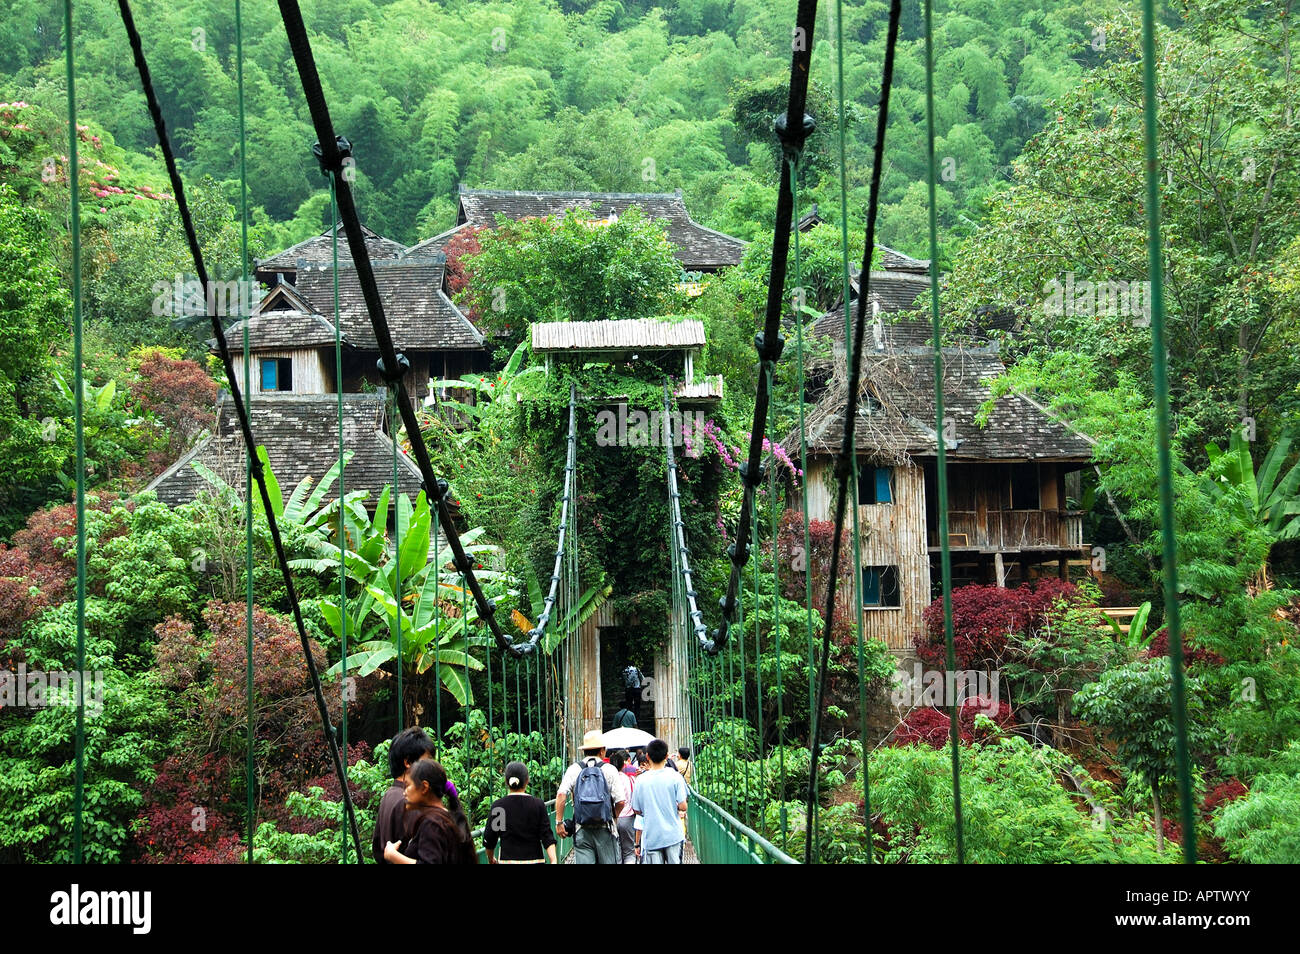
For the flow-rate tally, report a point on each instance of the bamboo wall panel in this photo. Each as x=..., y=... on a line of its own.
x=309, y=373
x=669, y=689
x=893, y=534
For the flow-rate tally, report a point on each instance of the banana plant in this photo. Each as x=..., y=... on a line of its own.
x=1137, y=636
x=573, y=617
x=430, y=637
x=305, y=507
x=1264, y=501
x=1268, y=497
x=105, y=424
x=427, y=599
x=490, y=389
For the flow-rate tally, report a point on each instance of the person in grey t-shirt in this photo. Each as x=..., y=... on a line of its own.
x=659, y=797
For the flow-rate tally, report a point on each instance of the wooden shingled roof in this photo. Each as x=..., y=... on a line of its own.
x=894, y=260
x=319, y=251
x=629, y=334
x=300, y=434
x=698, y=247
x=436, y=245
x=892, y=293
x=278, y=330
x=896, y=417
x=420, y=315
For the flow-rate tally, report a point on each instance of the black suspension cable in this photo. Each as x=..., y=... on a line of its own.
x=332, y=151
x=570, y=469
x=844, y=459
x=792, y=127
x=255, y=465
x=678, y=527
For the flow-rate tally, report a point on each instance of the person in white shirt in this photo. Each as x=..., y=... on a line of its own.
x=595, y=834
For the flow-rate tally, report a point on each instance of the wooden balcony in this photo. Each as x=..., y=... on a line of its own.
x=1012, y=530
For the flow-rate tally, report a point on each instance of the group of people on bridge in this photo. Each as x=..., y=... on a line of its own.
x=627, y=808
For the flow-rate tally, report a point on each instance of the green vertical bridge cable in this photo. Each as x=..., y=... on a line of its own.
x=1160, y=375
x=397, y=590
x=799, y=305
x=343, y=533
x=776, y=618
x=941, y=466
x=74, y=212
x=758, y=638
x=853, y=448
x=437, y=589
x=249, y=594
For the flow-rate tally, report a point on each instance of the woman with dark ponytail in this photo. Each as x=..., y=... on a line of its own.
x=521, y=824
x=437, y=831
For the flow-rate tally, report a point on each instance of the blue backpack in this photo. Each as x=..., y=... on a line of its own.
x=591, y=797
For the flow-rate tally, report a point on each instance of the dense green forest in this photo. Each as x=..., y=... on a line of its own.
x=1040, y=166
x=605, y=96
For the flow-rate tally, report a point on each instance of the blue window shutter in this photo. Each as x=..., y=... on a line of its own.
x=269, y=367
x=870, y=587
x=882, y=485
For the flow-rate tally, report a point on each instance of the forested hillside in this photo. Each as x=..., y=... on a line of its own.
x=564, y=94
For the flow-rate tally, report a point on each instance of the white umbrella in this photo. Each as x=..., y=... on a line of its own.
x=627, y=738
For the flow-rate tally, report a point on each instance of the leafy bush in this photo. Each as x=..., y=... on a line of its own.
x=1014, y=809
x=1263, y=827
x=1133, y=704
x=37, y=747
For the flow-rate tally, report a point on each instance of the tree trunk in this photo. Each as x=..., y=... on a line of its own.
x=1160, y=821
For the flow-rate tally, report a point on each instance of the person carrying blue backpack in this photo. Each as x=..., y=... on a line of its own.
x=599, y=792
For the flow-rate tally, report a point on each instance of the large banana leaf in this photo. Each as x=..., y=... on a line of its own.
x=368, y=657
x=305, y=501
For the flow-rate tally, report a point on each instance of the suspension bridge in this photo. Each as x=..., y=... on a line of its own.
x=551, y=675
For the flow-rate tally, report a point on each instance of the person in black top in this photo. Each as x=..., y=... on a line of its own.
x=407, y=748
x=437, y=831
x=520, y=823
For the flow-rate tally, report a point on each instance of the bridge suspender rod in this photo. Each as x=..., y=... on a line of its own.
x=74, y=180
x=941, y=467
x=250, y=809
x=682, y=552
x=343, y=533
x=1160, y=379
x=792, y=129
x=223, y=349
x=566, y=499
x=332, y=151
x=843, y=460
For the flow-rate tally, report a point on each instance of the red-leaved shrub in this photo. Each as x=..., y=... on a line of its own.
x=983, y=617
x=177, y=392
x=208, y=671
x=184, y=819
x=932, y=726
x=37, y=571
x=464, y=244
x=1221, y=794
x=1191, y=652
x=795, y=564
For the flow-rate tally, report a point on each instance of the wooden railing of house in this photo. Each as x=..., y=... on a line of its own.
x=1015, y=529
x=443, y=407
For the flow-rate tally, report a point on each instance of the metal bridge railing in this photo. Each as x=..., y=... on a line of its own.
x=720, y=838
